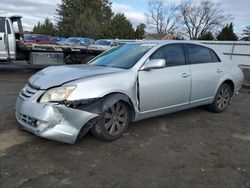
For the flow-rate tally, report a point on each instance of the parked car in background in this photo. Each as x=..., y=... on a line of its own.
x=127, y=41
x=126, y=83
x=92, y=41
x=57, y=40
x=38, y=39
x=78, y=41
x=28, y=37
x=105, y=44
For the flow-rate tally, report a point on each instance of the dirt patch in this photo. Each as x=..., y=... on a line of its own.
x=12, y=138
x=192, y=148
x=241, y=136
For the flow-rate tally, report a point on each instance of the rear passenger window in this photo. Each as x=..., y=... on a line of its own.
x=215, y=56
x=172, y=53
x=2, y=25
x=199, y=54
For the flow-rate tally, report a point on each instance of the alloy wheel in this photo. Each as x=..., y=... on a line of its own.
x=223, y=98
x=115, y=119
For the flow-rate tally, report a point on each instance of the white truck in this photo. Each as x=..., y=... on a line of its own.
x=9, y=39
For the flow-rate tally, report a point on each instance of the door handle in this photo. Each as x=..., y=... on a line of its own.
x=1, y=38
x=185, y=75
x=219, y=70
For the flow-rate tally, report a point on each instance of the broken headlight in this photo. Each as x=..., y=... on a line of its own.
x=57, y=94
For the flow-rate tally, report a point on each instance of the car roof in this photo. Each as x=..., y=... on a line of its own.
x=77, y=38
x=170, y=42
x=108, y=40
x=36, y=35
x=162, y=42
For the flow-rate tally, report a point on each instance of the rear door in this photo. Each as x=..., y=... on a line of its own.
x=206, y=70
x=11, y=39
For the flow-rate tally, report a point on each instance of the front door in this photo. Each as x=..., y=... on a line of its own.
x=7, y=39
x=3, y=50
x=165, y=88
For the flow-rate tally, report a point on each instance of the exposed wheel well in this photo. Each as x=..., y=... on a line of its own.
x=131, y=110
x=127, y=101
x=230, y=84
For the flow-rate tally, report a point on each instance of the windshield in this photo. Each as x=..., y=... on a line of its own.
x=103, y=42
x=42, y=38
x=125, y=56
x=29, y=37
x=75, y=40
x=55, y=39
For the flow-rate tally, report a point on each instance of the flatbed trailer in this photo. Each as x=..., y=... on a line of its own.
x=68, y=54
x=13, y=47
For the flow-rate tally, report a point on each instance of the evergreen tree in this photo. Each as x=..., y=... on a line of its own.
x=46, y=28
x=227, y=33
x=140, y=31
x=118, y=27
x=88, y=26
x=82, y=17
x=206, y=36
x=246, y=34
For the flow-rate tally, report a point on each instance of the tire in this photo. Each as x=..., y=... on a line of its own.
x=113, y=122
x=85, y=129
x=222, y=99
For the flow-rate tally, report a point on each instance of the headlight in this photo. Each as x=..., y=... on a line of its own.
x=57, y=94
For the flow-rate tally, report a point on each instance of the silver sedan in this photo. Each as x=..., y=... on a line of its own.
x=127, y=83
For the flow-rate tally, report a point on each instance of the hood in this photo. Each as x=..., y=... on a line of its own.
x=58, y=75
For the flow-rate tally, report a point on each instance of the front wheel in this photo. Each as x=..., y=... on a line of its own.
x=113, y=123
x=222, y=99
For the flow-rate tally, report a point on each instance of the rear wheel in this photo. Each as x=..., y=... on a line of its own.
x=113, y=123
x=222, y=99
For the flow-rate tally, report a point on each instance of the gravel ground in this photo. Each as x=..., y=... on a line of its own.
x=192, y=148
x=247, y=76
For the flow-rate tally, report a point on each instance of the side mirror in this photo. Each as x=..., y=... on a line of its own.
x=154, y=64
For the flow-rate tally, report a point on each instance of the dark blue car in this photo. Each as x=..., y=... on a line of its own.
x=78, y=41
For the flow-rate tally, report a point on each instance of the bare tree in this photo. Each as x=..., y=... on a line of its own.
x=202, y=18
x=163, y=17
x=246, y=33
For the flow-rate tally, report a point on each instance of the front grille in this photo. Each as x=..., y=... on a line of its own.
x=28, y=91
x=27, y=120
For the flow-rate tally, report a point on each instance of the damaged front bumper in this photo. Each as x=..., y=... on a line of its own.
x=51, y=120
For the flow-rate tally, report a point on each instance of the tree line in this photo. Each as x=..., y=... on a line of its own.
x=195, y=21
x=95, y=19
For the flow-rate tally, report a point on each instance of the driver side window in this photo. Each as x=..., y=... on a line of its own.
x=172, y=53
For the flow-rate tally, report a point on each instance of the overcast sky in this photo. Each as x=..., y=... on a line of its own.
x=37, y=10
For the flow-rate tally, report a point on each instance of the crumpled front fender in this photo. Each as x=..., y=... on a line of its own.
x=53, y=121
